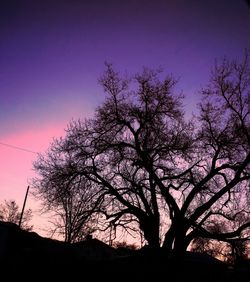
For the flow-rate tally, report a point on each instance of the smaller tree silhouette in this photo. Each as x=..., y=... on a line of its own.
x=10, y=212
x=71, y=199
x=125, y=245
x=232, y=250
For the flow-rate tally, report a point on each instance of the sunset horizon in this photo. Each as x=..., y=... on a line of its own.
x=53, y=54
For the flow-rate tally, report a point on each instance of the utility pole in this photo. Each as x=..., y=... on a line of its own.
x=21, y=216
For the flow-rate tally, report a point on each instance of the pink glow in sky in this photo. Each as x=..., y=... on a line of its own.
x=16, y=164
x=53, y=52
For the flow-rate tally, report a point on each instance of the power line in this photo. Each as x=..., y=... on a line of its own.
x=18, y=148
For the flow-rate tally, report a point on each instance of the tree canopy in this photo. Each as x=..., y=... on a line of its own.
x=150, y=169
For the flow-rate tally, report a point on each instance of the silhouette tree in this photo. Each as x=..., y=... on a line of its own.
x=124, y=245
x=154, y=170
x=9, y=211
x=232, y=250
x=222, y=178
x=70, y=198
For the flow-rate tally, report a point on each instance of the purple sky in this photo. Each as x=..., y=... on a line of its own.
x=52, y=53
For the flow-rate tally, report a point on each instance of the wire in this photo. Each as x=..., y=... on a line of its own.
x=18, y=148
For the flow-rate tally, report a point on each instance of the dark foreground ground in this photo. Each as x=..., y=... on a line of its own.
x=131, y=268
x=26, y=256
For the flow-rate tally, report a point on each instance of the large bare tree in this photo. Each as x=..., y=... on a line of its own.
x=157, y=172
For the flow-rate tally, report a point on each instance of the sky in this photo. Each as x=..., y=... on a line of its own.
x=53, y=52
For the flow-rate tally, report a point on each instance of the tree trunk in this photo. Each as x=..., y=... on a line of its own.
x=180, y=244
x=169, y=239
x=150, y=228
x=175, y=239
